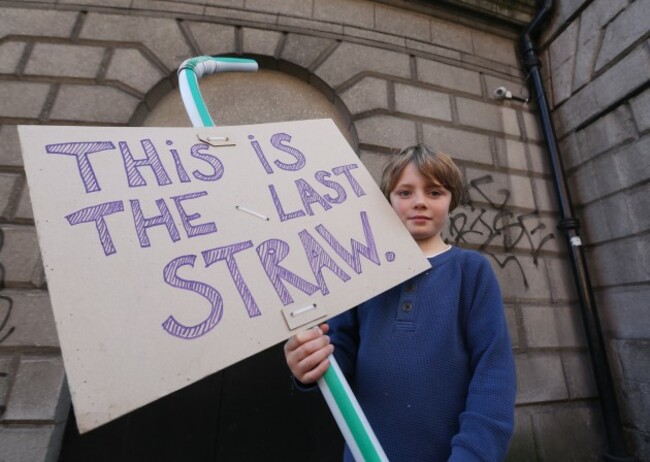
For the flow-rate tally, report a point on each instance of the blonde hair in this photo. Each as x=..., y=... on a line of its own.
x=435, y=166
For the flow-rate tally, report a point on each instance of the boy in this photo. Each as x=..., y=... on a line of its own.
x=430, y=360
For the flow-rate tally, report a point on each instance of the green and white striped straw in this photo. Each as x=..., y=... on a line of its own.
x=339, y=397
x=189, y=73
x=349, y=416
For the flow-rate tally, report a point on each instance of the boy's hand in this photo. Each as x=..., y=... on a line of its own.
x=306, y=354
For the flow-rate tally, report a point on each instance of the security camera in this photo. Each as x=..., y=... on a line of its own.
x=504, y=93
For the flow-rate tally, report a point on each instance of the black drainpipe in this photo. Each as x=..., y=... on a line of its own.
x=571, y=226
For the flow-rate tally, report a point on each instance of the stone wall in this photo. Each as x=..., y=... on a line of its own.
x=598, y=55
x=398, y=76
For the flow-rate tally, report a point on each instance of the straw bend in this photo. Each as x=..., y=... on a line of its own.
x=207, y=65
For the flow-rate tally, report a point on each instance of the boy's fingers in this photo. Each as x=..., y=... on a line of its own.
x=305, y=336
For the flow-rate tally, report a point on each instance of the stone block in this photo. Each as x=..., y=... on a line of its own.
x=10, y=153
x=583, y=183
x=33, y=443
x=582, y=423
x=39, y=22
x=24, y=209
x=356, y=13
x=22, y=99
x=494, y=48
x=431, y=49
x=38, y=390
x=617, y=216
x=402, y=22
x=306, y=24
x=545, y=195
x=281, y=7
x=498, y=190
x=614, y=128
x=6, y=376
x=350, y=59
x=63, y=60
x=105, y=3
x=579, y=375
x=8, y=182
x=375, y=163
x=447, y=76
x=631, y=354
x=386, y=131
x=513, y=329
x=459, y=144
x=621, y=310
x=163, y=6
x=560, y=276
x=641, y=110
x=160, y=35
x=637, y=396
x=629, y=73
x=562, y=57
x=609, y=268
x=570, y=152
x=19, y=253
x=560, y=14
x=539, y=160
x=592, y=20
x=532, y=126
x=93, y=103
x=511, y=154
x=493, y=117
x=226, y=3
x=239, y=13
x=374, y=36
x=259, y=41
x=539, y=326
x=422, y=102
x=365, y=95
x=133, y=69
x=522, y=445
x=304, y=50
x=519, y=276
x=556, y=326
x=450, y=35
x=632, y=163
x=540, y=377
x=32, y=319
x=10, y=54
x=213, y=39
x=627, y=28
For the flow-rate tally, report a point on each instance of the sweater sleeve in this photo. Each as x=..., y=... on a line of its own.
x=344, y=334
x=487, y=423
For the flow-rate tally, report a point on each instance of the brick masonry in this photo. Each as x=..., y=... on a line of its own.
x=603, y=131
x=398, y=76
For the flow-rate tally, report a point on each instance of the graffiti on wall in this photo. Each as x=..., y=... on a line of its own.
x=498, y=226
x=5, y=314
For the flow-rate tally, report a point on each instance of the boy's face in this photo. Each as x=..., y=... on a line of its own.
x=422, y=206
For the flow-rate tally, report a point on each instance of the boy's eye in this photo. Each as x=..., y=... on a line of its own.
x=404, y=193
x=435, y=193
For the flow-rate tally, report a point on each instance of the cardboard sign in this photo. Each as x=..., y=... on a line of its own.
x=171, y=253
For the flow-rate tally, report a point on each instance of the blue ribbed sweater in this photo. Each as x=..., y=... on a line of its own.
x=431, y=364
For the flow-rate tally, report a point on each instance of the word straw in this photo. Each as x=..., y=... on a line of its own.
x=339, y=397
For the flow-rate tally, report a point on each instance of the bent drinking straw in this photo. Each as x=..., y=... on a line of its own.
x=339, y=397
